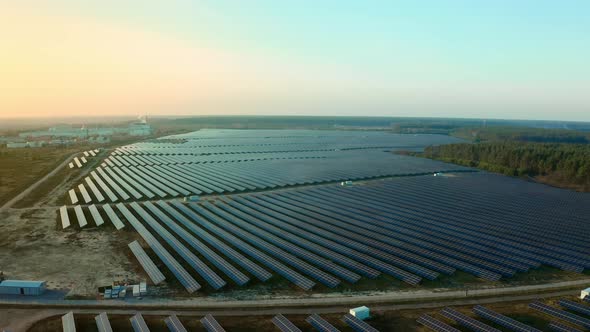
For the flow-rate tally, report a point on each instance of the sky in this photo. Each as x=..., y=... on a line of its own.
x=525, y=59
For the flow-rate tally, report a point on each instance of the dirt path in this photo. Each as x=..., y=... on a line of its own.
x=32, y=187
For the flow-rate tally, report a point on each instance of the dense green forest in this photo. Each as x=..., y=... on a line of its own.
x=522, y=134
x=558, y=164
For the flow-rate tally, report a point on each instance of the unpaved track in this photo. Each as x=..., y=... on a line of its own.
x=32, y=187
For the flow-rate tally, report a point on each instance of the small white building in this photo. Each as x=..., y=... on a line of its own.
x=584, y=293
x=22, y=287
x=361, y=313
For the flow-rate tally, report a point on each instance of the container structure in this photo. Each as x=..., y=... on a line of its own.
x=22, y=287
x=585, y=293
x=361, y=313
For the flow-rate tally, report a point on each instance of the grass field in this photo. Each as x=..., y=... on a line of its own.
x=19, y=168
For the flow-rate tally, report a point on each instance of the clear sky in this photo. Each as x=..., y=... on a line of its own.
x=526, y=59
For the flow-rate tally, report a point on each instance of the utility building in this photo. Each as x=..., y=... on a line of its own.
x=22, y=287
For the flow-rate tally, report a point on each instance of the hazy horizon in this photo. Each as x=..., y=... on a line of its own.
x=447, y=59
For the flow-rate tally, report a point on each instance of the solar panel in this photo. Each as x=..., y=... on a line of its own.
x=210, y=255
x=104, y=187
x=68, y=322
x=71, y=165
x=84, y=193
x=146, y=262
x=113, y=184
x=181, y=274
x=113, y=217
x=228, y=251
x=320, y=324
x=270, y=262
x=174, y=324
x=559, y=327
x=138, y=323
x=78, y=163
x=95, y=215
x=197, y=264
x=211, y=325
x=574, y=306
x=502, y=320
x=277, y=252
x=435, y=324
x=284, y=324
x=73, y=196
x=357, y=324
x=84, y=161
x=65, y=219
x=468, y=322
x=102, y=322
x=573, y=318
x=94, y=189
x=80, y=216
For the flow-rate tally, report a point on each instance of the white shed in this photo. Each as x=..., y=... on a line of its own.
x=584, y=293
x=361, y=313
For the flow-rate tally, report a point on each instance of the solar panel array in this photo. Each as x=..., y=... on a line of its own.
x=146, y=262
x=468, y=322
x=574, y=306
x=435, y=324
x=502, y=320
x=398, y=227
x=186, y=166
x=559, y=327
x=572, y=318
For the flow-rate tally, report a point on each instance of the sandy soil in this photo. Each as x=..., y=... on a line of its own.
x=34, y=247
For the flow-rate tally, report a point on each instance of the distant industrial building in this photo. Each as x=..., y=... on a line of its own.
x=138, y=128
x=22, y=287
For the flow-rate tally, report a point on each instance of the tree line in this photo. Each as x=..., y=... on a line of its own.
x=564, y=165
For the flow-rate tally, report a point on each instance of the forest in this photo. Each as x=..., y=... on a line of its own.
x=558, y=164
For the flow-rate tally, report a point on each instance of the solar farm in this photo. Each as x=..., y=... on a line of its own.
x=317, y=211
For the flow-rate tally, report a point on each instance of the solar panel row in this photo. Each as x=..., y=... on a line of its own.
x=320, y=324
x=174, y=324
x=210, y=324
x=572, y=318
x=138, y=323
x=502, y=320
x=146, y=262
x=435, y=324
x=284, y=324
x=559, y=327
x=102, y=322
x=181, y=274
x=468, y=322
x=357, y=324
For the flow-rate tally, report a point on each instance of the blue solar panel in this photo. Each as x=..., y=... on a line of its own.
x=139, y=324
x=435, y=324
x=574, y=306
x=320, y=324
x=559, y=327
x=174, y=324
x=502, y=320
x=237, y=258
x=357, y=324
x=573, y=318
x=211, y=325
x=181, y=274
x=215, y=259
x=199, y=266
x=467, y=321
x=284, y=324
